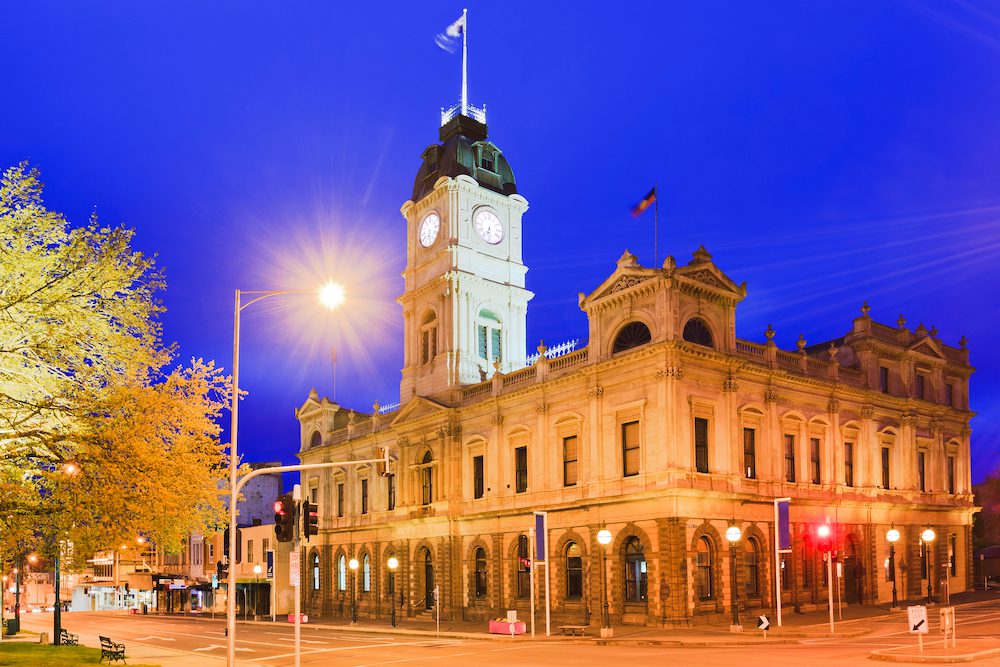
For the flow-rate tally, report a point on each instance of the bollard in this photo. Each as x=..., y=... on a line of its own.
x=43, y=638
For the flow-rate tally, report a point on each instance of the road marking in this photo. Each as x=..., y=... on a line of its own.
x=162, y=639
x=341, y=648
x=457, y=655
x=214, y=646
x=304, y=641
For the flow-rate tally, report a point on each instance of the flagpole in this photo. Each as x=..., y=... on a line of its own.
x=465, y=62
x=656, y=225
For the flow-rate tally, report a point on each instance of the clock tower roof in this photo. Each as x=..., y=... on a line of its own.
x=464, y=149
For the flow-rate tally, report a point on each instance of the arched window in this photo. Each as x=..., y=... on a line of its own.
x=315, y=571
x=523, y=563
x=480, y=586
x=488, y=341
x=703, y=579
x=366, y=574
x=315, y=440
x=574, y=572
x=696, y=331
x=635, y=571
x=342, y=573
x=807, y=561
x=631, y=335
x=428, y=337
x=751, y=563
x=426, y=480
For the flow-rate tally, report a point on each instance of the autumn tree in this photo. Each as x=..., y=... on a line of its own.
x=85, y=377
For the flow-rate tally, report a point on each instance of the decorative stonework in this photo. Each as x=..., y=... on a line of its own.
x=937, y=425
x=669, y=373
x=867, y=411
x=707, y=277
x=449, y=430
x=596, y=392
x=402, y=442
x=730, y=385
x=542, y=408
x=770, y=395
x=497, y=420
x=624, y=283
x=833, y=407
x=908, y=420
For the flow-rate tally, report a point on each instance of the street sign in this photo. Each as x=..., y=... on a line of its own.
x=294, y=560
x=215, y=580
x=916, y=619
x=763, y=623
x=270, y=564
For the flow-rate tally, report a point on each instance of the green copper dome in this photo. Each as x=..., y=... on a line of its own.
x=464, y=149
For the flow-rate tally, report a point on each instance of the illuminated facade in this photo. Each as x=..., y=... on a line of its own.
x=665, y=429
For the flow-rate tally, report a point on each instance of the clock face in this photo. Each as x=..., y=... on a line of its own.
x=488, y=225
x=429, y=229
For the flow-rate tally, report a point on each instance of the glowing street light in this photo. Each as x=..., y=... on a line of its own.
x=893, y=536
x=393, y=563
x=733, y=535
x=354, y=609
x=330, y=295
x=604, y=539
x=257, y=569
x=928, y=537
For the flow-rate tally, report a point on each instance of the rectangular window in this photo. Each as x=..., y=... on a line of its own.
x=521, y=469
x=883, y=379
x=211, y=551
x=265, y=546
x=390, y=483
x=484, y=352
x=919, y=386
x=478, y=476
x=951, y=475
x=434, y=343
x=949, y=394
x=249, y=551
x=700, y=444
x=814, y=460
x=364, y=496
x=424, y=346
x=313, y=494
x=496, y=344
x=952, y=555
x=921, y=471
x=789, y=458
x=571, y=459
x=885, y=467
x=750, y=453
x=340, y=499
x=630, y=449
x=849, y=463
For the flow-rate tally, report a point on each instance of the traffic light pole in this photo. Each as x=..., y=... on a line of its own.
x=233, y=495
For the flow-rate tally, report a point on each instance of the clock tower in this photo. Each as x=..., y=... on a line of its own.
x=464, y=301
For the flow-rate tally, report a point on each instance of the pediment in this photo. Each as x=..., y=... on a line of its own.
x=418, y=407
x=620, y=284
x=709, y=275
x=927, y=347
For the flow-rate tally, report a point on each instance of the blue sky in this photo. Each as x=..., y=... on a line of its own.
x=824, y=152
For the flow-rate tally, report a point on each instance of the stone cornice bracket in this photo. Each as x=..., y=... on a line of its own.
x=937, y=425
x=833, y=406
x=542, y=408
x=595, y=392
x=730, y=384
x=402, y=441
x=867, y=411
x=497, y=419
x=908, y=420
x=770, y=395
x=669, y=373
x=451, y=429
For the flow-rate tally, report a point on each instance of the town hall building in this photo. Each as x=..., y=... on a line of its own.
x=664, y=429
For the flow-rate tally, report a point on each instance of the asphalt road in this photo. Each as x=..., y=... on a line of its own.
x=173, y=641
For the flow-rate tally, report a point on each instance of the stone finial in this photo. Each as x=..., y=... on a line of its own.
x=832, y=351
x=627, y=260
x=313, y=394
x=901, y=321
x=701, y=255
x=963, y=342
x=865, y=309
x=542, y=349
x=496, y=364
x=801, y=343
x=375, y=407
x=933, y=332
x=670, y=263
x=351, y=417
x=769, y=332
x=921, y=330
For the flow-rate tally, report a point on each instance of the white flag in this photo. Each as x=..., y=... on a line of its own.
x=447, y=40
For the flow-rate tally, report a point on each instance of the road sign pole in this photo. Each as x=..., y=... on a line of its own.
x=531, y=577
x=830, y=584
x=296, y=584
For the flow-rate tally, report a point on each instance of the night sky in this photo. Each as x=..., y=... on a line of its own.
x=824, y=152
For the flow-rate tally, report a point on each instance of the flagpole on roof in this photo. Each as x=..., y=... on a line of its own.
x=465, y=62
x=656, y=225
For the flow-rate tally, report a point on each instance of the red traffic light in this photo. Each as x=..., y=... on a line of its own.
x=824, y=530
x=279, y=507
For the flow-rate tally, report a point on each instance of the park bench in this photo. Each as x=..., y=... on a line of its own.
x=113, y=651
x=68, y=638
x=574, y=630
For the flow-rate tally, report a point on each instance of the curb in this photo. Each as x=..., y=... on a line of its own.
x=882, y=654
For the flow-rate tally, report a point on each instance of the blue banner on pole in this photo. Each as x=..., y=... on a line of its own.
x=540, y=537
x=270, y=565
x=784, y=527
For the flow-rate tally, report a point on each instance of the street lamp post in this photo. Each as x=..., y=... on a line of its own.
x=393, y=564
x=257, y=569
x=353, y=564
x=604, y=538
x=892, y=536
x=331, y=295
x=928, y=537
x=733, y=534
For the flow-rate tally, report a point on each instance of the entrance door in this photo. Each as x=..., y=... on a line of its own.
x=852, y=588
x=428, y=581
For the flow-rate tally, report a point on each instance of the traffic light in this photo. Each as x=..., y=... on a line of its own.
x=310, y=519
x=824, y=535
x=383, y=465
x=284, y=518
x=225, y=543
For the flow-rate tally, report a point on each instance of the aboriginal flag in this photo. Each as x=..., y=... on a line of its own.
x=646, y=202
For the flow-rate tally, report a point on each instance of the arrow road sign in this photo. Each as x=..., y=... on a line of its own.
x=763, y=623
x=916, y=618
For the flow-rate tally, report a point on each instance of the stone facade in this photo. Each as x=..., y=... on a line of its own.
x=665, y=429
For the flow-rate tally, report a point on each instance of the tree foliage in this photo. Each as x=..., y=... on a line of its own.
x=84, y=376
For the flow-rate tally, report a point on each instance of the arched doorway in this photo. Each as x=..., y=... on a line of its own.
x=428, y=580
x=852, y=579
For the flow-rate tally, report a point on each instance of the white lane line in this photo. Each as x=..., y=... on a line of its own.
x=304, y=641
x=358, y=647
x=215, y=646
x=162, y=639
